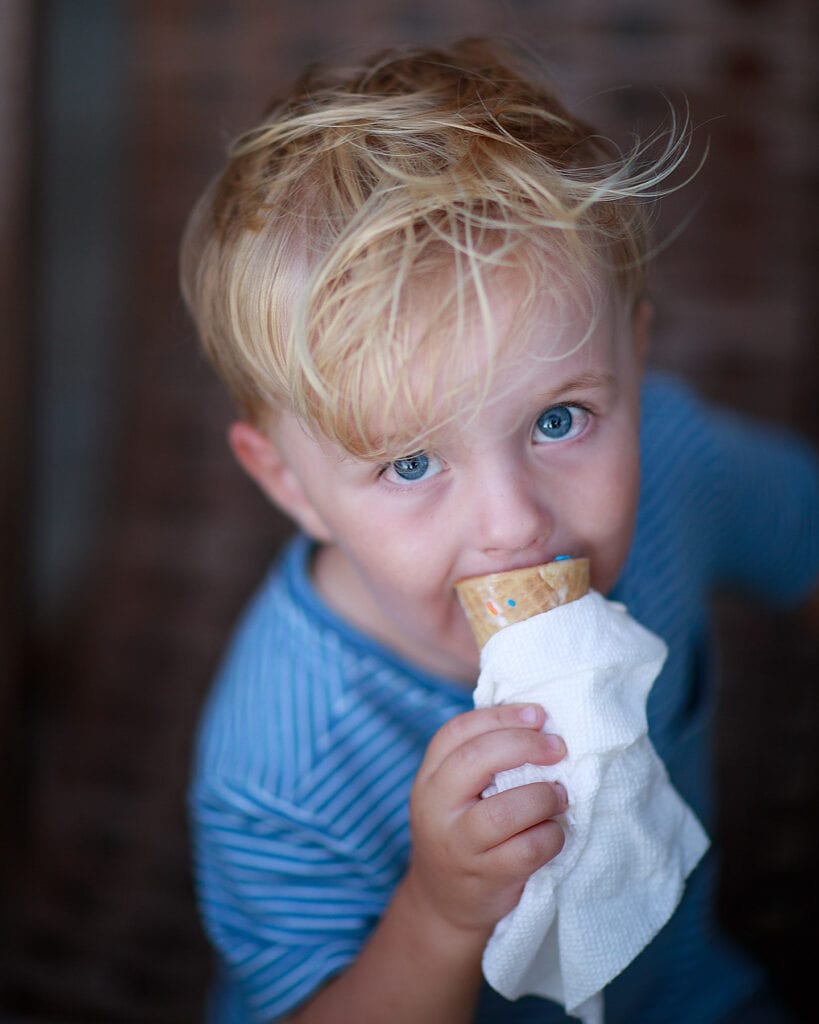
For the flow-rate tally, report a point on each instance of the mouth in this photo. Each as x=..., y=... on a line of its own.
x=522, y=566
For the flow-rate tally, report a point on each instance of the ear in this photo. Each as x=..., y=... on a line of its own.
x=641, y=321
x=262, y=459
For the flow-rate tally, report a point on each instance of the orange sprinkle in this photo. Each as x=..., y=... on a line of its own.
x=492, y=609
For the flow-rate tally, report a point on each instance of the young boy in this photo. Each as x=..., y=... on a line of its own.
x=423, y=282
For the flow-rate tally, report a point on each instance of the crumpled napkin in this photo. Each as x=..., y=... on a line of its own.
x=631, y=840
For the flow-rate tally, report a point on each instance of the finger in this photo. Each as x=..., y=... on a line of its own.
x=525, y=852
x=462, y=728
x=468, y=769
x=493, y=821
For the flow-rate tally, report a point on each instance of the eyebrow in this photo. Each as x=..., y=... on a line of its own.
x=584, y=382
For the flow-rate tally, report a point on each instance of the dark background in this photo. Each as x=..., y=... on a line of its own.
x=129, y=539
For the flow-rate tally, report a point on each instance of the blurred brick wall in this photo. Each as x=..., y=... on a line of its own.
x=16, y=59
x=105, y=928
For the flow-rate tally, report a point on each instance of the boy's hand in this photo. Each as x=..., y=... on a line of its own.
x=471, y=856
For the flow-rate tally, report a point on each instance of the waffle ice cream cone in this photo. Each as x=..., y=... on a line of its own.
x=499, y=599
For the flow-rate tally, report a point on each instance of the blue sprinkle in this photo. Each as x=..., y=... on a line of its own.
x=511, y=603
x=563, y=558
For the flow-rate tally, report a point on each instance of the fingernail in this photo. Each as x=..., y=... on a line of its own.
x=562, y=795
x=530, y=714
x=555, y=743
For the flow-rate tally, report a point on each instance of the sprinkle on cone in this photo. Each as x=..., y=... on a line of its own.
x=501, y=598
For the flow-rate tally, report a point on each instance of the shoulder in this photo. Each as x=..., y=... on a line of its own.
x=276, y=687
x=679, y=460
x=738, y=496
x=674, y=421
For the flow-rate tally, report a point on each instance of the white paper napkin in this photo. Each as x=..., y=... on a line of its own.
x=631, y=841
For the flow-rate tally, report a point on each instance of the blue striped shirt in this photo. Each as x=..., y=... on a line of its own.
x=313, y=734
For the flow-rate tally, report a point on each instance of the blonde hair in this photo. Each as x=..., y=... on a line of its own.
x=353, y=236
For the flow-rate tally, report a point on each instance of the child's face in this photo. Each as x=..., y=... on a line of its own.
x=550, y=468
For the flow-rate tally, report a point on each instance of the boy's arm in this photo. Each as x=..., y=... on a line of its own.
x=470, y=861
x=412, y=969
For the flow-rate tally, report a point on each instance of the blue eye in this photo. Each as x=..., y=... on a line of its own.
x=559, y=423
x=412, y=468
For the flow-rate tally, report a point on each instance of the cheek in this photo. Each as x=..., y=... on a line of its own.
x=410, y=534
x=612, y=480
x=611, y=494
x=623, y=493
x=627, y=483
x=399, y=554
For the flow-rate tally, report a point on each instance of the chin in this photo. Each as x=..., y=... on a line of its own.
x=604, y=581
x=462, y=663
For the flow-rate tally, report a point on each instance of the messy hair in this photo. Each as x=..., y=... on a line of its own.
x=356, y=233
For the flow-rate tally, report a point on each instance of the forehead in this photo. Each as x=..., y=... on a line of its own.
x=455, y=371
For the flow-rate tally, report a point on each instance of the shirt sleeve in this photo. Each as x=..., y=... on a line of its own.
x=765, y=507
x=286, y=904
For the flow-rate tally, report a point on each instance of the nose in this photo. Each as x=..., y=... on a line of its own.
x=511, y=516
